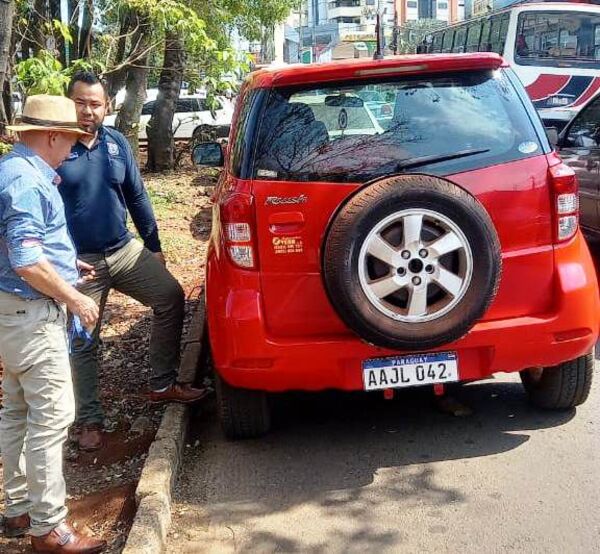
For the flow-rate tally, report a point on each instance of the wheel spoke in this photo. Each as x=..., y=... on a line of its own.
x=386, y=286
x=417, y=303
x=412, y=229
x=448, y=243
x=381, y=250
x=449, y=281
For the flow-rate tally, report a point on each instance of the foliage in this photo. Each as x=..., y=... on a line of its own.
x=5, y=147
x=6, y=143
x=43, y=74
x=412, y=33
x=260, y=14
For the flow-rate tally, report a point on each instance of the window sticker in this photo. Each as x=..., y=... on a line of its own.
x=266, y=173
x=528, y=147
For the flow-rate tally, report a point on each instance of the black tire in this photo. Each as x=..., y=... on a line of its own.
x=356, y=219
x=244, y=413
x=560, y=387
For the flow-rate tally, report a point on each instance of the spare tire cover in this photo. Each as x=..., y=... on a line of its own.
x=411, y=262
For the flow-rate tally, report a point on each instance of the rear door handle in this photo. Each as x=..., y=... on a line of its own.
x=283, y=223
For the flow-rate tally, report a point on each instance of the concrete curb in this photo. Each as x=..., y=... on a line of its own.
x=151, y=524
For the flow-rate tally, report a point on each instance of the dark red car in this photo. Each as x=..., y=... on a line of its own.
x=579, y=147
x=356, y=252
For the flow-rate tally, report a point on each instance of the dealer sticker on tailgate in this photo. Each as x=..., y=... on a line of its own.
x=410, y=371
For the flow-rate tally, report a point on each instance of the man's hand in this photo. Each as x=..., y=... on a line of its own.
x=86, y=272
x=87, y=310
x=160, y=257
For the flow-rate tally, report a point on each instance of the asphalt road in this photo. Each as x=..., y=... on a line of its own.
x=356, y=473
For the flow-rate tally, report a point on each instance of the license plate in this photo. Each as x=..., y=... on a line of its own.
x=410, y=371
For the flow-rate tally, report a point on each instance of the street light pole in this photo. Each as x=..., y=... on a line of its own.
x=378, y=55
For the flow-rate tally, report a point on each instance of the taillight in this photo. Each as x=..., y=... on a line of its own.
x=563, y=183
x=237, y=226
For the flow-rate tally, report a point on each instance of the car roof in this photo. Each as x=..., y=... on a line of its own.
x=366, y=68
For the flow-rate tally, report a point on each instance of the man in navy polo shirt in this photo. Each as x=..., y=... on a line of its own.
x=101, y=184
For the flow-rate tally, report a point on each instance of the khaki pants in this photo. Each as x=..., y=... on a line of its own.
x=38, y=407
x=134, y=271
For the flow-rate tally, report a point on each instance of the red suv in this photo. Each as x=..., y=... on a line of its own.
x=359, y=252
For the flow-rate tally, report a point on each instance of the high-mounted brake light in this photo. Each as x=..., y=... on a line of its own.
x=237, y=224
x=563, y=183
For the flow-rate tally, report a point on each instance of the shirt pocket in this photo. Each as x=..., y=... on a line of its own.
x=118, y=166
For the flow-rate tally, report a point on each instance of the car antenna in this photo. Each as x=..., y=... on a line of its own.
x=378, y=55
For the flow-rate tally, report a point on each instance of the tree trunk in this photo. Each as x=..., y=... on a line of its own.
x=116, y=79
x=85, y=36
x=36, y=27
x=161, y=143
x=128, y=121
x=7, y=11
x=59, y=46
x=267, y=45
x=74, y=6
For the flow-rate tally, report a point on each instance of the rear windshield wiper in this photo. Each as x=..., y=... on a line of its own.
x=426, y=160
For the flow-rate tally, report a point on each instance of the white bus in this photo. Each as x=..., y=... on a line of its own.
x=554, y=48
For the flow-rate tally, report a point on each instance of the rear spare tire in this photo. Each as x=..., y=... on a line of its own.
x=244, y=413
x=560, y=387
x=411, y=262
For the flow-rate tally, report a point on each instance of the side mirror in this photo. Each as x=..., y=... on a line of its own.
x=208, y=154
x=552, y=133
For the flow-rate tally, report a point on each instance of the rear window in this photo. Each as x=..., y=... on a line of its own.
x=332, y=134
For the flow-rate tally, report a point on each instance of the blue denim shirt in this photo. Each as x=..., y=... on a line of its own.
x=32, y=222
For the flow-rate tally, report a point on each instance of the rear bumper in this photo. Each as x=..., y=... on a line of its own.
x=245, y=356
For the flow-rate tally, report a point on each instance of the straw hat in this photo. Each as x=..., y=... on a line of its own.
x=43, y=112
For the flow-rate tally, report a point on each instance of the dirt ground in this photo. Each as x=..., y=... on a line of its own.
x=101, y=485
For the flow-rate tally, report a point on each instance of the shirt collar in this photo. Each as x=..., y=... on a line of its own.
x=80, y=147
x=36, y=161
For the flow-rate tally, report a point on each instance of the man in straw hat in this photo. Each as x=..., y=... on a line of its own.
x=38, y=274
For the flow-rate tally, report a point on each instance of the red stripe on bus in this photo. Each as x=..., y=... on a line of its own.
x=545, y=85
x=589, y=92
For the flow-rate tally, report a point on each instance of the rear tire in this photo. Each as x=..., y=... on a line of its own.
x=244, y=413
x=560, y=387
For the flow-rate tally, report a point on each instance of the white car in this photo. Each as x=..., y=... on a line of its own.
x=191, y=112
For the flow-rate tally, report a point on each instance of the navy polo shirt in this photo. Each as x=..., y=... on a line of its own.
x=99, y=186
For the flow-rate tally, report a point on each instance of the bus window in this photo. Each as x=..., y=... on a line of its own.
x=459, y=39
x=503, y=32
x=447, y=42
x=498, y=33
x=436, y=44
x=571, y=39
x=473, y=35
x=484, y=42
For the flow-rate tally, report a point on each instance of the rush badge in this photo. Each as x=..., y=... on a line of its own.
x=113, y=149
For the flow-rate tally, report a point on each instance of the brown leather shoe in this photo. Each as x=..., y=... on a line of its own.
x=90, y=437
x=65, y=539
x=16, y=526
x=182, y=394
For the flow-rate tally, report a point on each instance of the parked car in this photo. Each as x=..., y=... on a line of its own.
x=443, y=249
x=557, y=118
x=579, y=147
x=17, y=105
x=192, y=113
x=382, y=110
